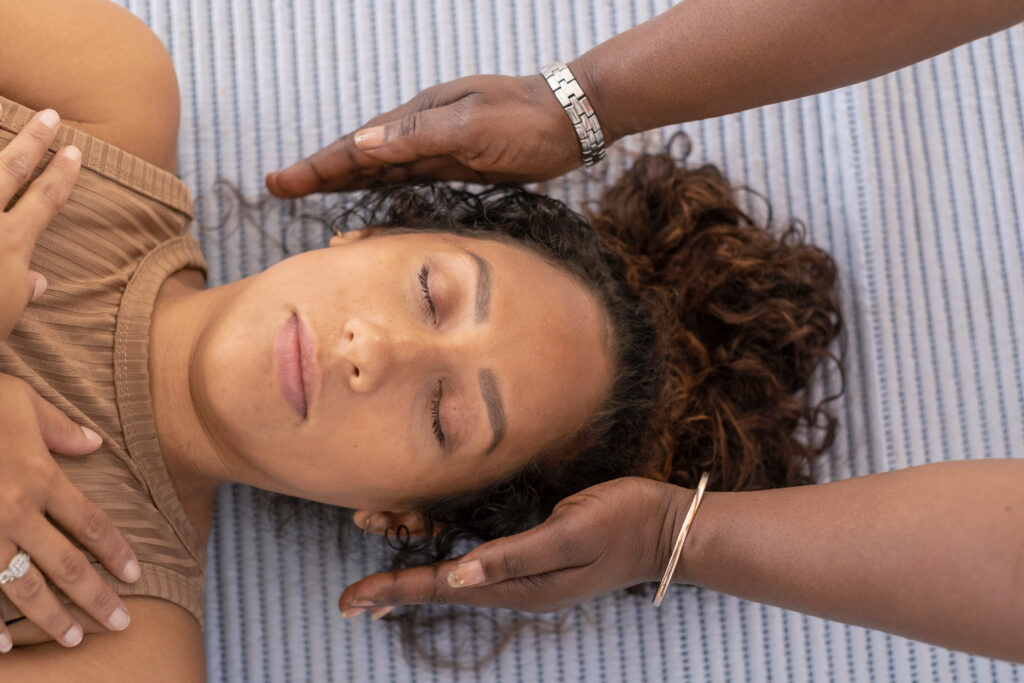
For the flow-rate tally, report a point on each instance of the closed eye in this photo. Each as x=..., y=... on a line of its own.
x=425, y=287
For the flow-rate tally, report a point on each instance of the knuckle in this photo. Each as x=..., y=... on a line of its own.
x=52, y=195
x=95, y=524
x=16, y=165
x=410, y=125
x=28, y=588
x=103, y=602
x=71, y=568
x=16, y=506
x=513, y=565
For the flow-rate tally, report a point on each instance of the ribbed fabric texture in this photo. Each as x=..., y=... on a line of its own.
x=914, y=182
x=83, y=347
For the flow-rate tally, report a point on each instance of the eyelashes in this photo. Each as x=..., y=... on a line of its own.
x=435, y=407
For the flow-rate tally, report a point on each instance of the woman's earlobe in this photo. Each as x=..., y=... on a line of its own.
x=379, y=522
x=349, y=236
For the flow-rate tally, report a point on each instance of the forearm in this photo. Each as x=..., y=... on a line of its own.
x=933, y=552
x=706, y=58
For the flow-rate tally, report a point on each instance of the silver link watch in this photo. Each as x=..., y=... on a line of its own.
x=581, y=114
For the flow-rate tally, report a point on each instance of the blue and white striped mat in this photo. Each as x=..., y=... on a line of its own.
x=914, y=182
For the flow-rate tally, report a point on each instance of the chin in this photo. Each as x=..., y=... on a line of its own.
x=233, y=388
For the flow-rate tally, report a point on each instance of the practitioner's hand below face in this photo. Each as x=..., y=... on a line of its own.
x=34, y=496
x=605, y=538
x=22, y=224
x=478, y=129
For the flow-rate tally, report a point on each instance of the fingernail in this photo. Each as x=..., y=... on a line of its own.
x=72, y=152
x=131, y=571
x=363, y=603
x=48, y=118
x=371, y=138
x=5, y=642
x=38, y=288
x=119, y=620
x=73, y=636
x=351, y=612
x=94, y=438
x=381, y=612
x=466, y=574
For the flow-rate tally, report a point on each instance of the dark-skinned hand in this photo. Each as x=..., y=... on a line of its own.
x=605, y=538
x=478, y=129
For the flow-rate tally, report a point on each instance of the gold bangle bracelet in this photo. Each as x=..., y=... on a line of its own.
x=677, y=549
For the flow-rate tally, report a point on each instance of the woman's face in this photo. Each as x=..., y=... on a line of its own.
x=396, y=367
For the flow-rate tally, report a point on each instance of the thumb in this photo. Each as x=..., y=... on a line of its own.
x=421, y=134
x=59, y=432
x=540, y=550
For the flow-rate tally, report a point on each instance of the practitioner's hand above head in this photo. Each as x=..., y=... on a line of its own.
x=28, y=217
x=34, y=496
x=479, y=128
x=605, y=538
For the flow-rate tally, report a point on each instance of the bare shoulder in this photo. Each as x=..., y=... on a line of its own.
x=163, y=643
x=100, y=67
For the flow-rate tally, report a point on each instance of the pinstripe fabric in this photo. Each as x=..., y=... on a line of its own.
x=914, y=182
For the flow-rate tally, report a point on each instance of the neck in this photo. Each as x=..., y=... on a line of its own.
x=195, y=461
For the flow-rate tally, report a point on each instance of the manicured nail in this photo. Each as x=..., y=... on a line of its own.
x=351, y=612
x=94, y=438
x=381, y=612
x=5, y=642
x=73, y=636
x=38, y=288
x=119, y=620
x=72, y=152
x=371, y=138
x=466, y=574
x=48, y=118
x=131, y=571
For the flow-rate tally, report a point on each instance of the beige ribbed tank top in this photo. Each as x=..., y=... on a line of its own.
x=84, y=347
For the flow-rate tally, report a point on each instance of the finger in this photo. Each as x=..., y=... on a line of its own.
x=69, y=570
x=87, y=523
x=22, y=155
x=46, y=196
x=529, y=554
x=334, y=165
x=5, y=639
x=59, y=432
x=545, y=548
x=339, y=166
x=421, y=134
x=36, y=601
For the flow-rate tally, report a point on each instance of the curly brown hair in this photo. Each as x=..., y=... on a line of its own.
x=744, y=317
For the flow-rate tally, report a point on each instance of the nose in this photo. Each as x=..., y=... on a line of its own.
x=375, y=353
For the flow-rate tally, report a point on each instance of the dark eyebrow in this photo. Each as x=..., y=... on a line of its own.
x=495, y=410
x=483, y=287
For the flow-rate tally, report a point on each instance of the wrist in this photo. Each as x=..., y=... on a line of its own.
x=672, y=503
x=687, y=570
x=586, y=75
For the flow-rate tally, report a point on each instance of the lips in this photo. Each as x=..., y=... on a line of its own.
x=295, y=362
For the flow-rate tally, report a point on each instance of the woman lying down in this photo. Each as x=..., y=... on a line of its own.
x=461, y=365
